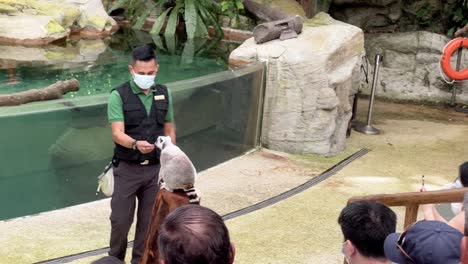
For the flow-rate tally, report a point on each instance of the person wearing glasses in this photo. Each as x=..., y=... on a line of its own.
x=365, y=225
x=425, y=242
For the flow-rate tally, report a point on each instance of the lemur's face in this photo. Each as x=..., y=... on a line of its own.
x=162, y=142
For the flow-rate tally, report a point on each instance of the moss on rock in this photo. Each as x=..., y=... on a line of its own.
x=7, y=8
x=289, y=7
x=54, y=27
x=95, y=21
x=320, y=19
x=67, y=16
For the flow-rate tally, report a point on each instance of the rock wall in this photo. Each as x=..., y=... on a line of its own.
x=394, y=15
x=309, y=85
x=410, y=68
x=38, y=22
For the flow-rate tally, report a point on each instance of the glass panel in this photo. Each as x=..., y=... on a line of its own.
x=51, y=152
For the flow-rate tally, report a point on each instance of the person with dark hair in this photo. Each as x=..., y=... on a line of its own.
x=463, y=174
x=139, y=111
x=365, y=225
x=196, y=235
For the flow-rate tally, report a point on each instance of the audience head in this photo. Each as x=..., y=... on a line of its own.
x=196, y=235
x=365, y=225
x=428, y=242
x=464, y=174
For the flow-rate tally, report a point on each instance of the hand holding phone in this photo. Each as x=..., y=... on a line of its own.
x=423, y=189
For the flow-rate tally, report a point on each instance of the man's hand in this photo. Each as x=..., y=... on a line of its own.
x=144, y=146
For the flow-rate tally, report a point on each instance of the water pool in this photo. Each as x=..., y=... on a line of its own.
x=100, y=65
x=51, y=152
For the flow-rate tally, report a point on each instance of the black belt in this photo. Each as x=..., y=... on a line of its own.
x=143, y=162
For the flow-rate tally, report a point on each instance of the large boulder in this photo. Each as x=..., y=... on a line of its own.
x=30, y=30
x=83, y=50
x=309, y=85
x=394, y=15
x=367, y=14
x=38, y=22
x=410, y=68
x=289, y=7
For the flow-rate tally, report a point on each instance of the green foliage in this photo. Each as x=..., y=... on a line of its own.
x=423, y=15
x=458, y=17
x=232, y=8
x=197, y=15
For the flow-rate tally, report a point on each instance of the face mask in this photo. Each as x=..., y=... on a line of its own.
x=144, y=81
x=457, y=184
x=342, y=252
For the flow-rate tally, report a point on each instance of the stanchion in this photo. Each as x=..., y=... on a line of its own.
x=453, y=100
x=368, y=128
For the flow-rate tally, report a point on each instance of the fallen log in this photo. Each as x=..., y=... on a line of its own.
x=54, y=91
x=283, y=29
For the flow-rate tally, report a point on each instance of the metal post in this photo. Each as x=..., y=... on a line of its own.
x=453, y=101
x=368, y=128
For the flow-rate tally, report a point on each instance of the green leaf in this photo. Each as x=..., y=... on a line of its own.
x=450, y=32
x=201, y=31
x=119, y=4
x=202, y=12
x=239, y=5
x=141, y=20
x=190, y=17
x=172, y=21
x=158, y=41
x=171, y=43
x=210, y=45
x=225, y=6
x=214, y=22
x=159, y=22
x=133, y=7
x=211, y=6
x=199, y=42
x=188, y=52
x=138, y=12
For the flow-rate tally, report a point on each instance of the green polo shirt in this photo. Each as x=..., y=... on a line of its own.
x=115, y=109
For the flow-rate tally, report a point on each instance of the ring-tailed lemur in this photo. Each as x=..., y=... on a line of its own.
x=177, y=171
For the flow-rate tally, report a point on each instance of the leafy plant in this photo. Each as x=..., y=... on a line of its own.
x=423, y=15
x=232, y=8
x=197, y=15
x=458, y=17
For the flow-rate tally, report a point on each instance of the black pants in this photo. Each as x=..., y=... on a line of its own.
x=130, y=181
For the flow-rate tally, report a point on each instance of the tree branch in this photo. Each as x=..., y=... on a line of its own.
x=54, y=91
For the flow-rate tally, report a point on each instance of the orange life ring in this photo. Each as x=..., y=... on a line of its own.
x=449, y=49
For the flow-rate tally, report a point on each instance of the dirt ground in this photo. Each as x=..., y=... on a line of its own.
x=416, y=140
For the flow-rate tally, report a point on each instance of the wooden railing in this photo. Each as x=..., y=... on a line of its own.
x=412, y=200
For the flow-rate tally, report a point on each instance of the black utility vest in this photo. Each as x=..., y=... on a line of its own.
x=139, y=125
